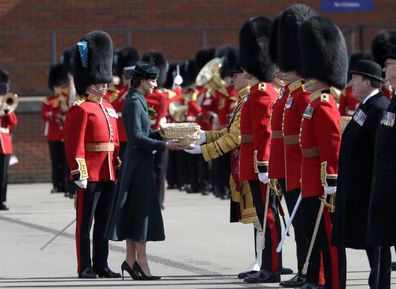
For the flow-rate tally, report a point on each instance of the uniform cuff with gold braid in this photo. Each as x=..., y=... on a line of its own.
x=259, y=166
x=81, y=173
x=327, y=179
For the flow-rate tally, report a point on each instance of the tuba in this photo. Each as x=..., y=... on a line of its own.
x=210, y=72
x=9, y=101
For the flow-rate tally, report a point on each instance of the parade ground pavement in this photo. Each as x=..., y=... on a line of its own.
x=202, y=249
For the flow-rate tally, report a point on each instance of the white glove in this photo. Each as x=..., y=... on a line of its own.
x=193, y=149
x=329, y=190
x=82, y=183
x=202, y=137
x=263, y=177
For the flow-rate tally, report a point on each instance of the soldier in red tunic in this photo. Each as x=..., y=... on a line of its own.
x=255, y=138
x=7, y=120
x=53, y=112
x=324, y=64
x=286, y=119
x=91, y=141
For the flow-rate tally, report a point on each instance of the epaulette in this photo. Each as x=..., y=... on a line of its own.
x=296, y=85
x=262, y=86
x=56, y=103
x=171, y=93
x=79, y=101
x=323, y=94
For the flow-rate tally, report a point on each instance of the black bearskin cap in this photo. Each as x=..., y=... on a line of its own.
x=323, y=52
x=229, y=54
x=127, y=56
x=253, y=49
x=93, y=60
x=57, y=76
x=202, y=57
x=4, y=76
x=160, y=61
x=288, y=50
x=67, y=57
x=382, y=44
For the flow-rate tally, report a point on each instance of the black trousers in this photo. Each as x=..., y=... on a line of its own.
x=4, y=163
x=380, y=264
x=59, y=167
x=271, y=260
x=93, y=206
x=301, y=239
x=334, y=260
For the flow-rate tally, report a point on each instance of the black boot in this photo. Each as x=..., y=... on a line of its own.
x=107, y=273
x=87, y=273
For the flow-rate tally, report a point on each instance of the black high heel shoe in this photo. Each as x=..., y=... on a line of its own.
x=125, y=266
x=140, y=275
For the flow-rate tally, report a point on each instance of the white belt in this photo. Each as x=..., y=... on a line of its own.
x=4, y=130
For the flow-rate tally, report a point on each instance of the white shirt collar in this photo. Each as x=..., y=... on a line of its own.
x=374, y=92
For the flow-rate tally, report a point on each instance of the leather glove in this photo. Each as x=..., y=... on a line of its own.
x=329, y=190
x=202, y=137
x=193, y=149
x=81, y=183
x=263, y=177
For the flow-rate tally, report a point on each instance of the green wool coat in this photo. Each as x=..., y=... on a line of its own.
x=136, y=212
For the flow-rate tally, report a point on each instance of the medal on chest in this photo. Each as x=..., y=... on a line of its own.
x=308, y=112
x=289, y=102
x=281, y=93
x=388, y=118
x=359, y=117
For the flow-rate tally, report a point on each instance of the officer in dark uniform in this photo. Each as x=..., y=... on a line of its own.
x=355, y=169
x=381, y=217
x=91, y=142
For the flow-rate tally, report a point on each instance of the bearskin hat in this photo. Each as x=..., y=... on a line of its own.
x=253, y=48
x=67, y=57
x=4, y=76
x=355, y=57
x=160, y=61
x=93, y=60
x=273, y=41
x=229, y=54
x=188, y=72
x=323, y=52
x=127, y=56
x=288, y=51
x=202, y=57
x=57, y=76
x=382, y=44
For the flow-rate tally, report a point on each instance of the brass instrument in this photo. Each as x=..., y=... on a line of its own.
x=9, y=101
x=210, y=72
x=177, y=111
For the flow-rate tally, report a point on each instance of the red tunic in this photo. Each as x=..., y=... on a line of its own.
x=348, y=102
x=92, y=123
x=256, y=131
x=320, y=143
x=160, y=100
x=53, y=112
x=116, y=97
x=294, y=109
x=7, y=122
x=276, y=167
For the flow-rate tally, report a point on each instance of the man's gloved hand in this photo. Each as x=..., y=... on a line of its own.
x=81, y=183
x=263, y=177
x=329, y=190
x=178, y=80
x=193, y=149
x=202, y=137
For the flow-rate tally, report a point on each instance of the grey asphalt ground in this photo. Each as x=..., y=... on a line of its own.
x=202, y=249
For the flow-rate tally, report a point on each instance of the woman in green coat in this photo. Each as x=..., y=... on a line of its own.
x=136, y=213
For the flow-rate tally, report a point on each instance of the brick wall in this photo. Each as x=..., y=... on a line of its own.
x=35, y=32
